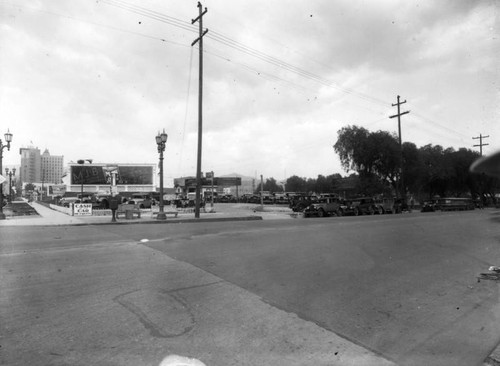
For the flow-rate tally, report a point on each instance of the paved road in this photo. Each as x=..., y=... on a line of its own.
x=95, y=295
x=402, y=287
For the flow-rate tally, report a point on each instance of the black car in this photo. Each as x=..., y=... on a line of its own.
x=299, y=203
x=367, y=206
x=428, y=206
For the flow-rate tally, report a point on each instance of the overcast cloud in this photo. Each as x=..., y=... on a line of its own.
x=98, y=79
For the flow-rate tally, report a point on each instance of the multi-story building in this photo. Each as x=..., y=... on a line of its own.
x=40, y=168
x=31, y=165
x=52, y=168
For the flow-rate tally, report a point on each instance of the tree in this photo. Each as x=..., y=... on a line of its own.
x=296, y=184
x=374, y=156
x=351, y=147
x=30, y=187
x=272, y=186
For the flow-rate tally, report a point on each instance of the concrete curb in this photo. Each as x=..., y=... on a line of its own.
x=168, y=221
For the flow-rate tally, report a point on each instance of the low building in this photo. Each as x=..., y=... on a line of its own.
x=105, y=178
x=231, y=184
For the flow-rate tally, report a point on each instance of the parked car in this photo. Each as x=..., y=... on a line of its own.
x=348, y=208
x=68, y=201
x=455, y=204
x=227, y=198
x=142, y=200
x=367, y=206
x=428, y=206
x=391, y=205
x=299, y=203
x=324, y=207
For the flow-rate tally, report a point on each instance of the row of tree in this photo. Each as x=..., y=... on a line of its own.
x=382, y=166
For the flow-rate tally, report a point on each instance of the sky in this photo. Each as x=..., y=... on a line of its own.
x=98, y=79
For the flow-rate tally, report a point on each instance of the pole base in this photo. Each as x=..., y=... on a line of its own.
x=161, y=216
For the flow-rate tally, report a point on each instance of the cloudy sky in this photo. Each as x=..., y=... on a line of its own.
x=99, y=79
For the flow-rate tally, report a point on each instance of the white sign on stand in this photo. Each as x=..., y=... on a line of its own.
x=82, y=209
x=2, y=179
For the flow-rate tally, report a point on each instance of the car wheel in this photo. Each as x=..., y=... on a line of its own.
x=321, y=213
x=356, y=212
x=371, y=211
x=340, y=212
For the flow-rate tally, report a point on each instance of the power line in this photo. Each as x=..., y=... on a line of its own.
x=231, y=43
x=219, y=37
x=226, y=41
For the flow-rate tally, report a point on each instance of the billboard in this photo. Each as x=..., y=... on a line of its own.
x=218, y=181
x=101, y=174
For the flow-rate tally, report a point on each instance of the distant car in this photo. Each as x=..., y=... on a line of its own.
x=226, y=198
x=102, y=201
x=327, y=206
x=68, y=201
x=367, y=206
x=391, y=205
x=348, y=208
x=142, y=201
x=299, y=203
x=428, y=206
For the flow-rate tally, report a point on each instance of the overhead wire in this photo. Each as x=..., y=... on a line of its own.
x=231, y=43
x=221, y=38
x=226, y=41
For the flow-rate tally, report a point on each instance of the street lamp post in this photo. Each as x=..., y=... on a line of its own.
x=82, y=162
x=161, y=141
x=10, y=174
x=8, y=139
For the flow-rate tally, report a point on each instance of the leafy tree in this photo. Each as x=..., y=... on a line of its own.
x=412, y=168
x=29, y=187
x=374, y=156
x=385, y=153
x=351, y=146
x=296, y=184
x=272, y=186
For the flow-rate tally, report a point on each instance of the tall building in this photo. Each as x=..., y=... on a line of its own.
x=31, y=164
x=52, y=168
x=40, y=168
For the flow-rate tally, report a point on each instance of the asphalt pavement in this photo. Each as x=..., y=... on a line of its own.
x=50, y=217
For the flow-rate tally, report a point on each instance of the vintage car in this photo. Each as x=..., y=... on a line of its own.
x=325, y=206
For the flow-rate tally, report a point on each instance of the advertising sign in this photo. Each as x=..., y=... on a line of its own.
x=219, y=181
x=101, y=175
x=82, y=209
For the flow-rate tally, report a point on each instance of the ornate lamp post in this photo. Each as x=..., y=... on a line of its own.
x=8, y=139
x=10, y=175
x=161, y=141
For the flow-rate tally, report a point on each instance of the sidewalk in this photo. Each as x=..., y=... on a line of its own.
x=49, y=217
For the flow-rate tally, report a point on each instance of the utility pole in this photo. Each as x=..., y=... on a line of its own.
x=199, y=19
x=480, y=137
x=261, y=193
x=402, y=187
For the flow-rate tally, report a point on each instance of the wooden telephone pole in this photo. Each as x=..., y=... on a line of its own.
x=480, y=137
x=199, y=19
x=402, y=187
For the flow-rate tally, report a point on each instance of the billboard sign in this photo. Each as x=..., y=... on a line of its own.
x=101, y=174
x=218, y=181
